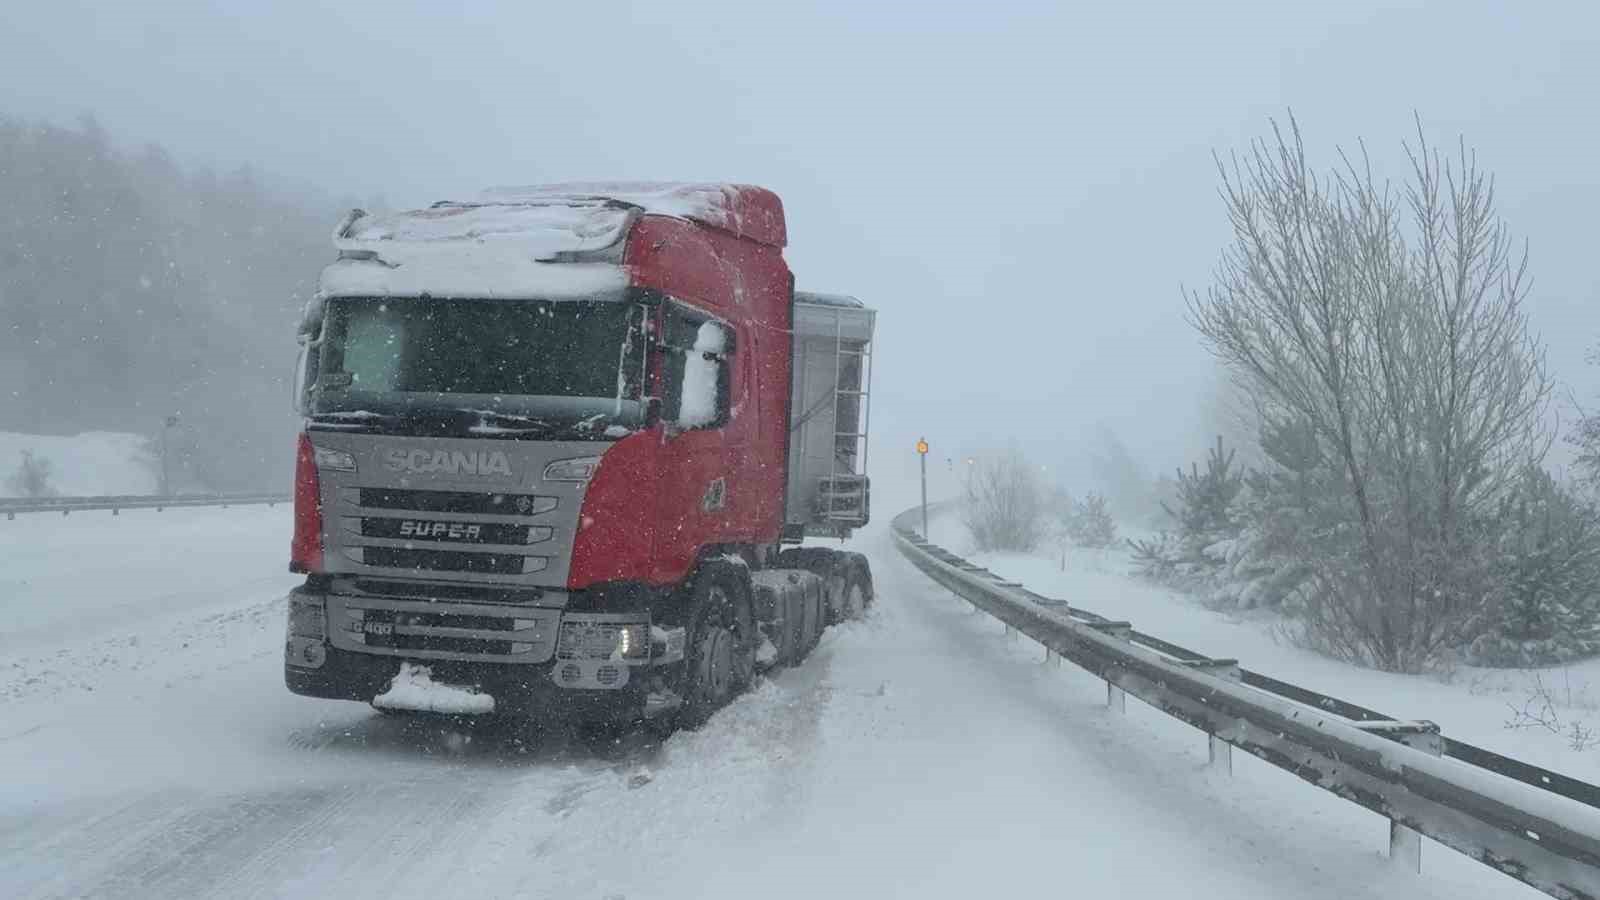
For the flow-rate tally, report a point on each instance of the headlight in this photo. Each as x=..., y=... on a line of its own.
x=603, y=640
x=338, y=460
x=581, y=469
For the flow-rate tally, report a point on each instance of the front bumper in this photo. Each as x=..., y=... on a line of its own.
x=525, y=691
x=532, y=661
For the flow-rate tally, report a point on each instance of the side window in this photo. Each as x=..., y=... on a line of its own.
x=698, y=350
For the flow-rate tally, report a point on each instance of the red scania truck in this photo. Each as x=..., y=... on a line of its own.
x=560, y=446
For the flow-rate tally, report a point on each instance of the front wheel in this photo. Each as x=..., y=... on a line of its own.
x=721, y=655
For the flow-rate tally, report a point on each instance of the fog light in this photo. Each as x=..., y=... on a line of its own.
x=305, y=653
x=587, y=639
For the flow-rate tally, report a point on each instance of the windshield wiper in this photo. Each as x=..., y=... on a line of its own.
x=490, y=421
x=355, y=418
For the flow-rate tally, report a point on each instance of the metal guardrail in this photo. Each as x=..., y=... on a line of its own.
x=1537, y=826
x=11, y=506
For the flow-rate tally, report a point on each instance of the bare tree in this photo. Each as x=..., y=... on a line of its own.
x=1006, y=503
x=1392, y=325
x=32, y=477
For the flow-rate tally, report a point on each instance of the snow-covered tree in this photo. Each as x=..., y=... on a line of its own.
x=1093, y=525
x=1545, y=606
x=1203, y=513
x=165, y=288
x=32, y=477
x=1585, y=438
x=1084, y=523
x=1391, y=326
x=1205, y=499
x=1005, y=503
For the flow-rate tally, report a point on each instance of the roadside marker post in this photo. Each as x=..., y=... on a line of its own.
x=922, y=452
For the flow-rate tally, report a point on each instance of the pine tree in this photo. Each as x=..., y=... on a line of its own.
x=1205, y=499
x=1544, y=607
x=1093, y=525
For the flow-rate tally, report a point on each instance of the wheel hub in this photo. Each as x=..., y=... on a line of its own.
x=716, y=661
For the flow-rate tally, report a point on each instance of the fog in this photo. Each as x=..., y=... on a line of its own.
x=1020, y=189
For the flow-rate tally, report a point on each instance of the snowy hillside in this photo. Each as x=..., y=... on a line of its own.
x=93, y=463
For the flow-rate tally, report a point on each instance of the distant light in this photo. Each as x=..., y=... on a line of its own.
x=922, y=446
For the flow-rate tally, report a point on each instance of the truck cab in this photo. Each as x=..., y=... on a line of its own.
x=557, y=440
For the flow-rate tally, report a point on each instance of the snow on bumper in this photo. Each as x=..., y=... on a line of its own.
x=413, y=688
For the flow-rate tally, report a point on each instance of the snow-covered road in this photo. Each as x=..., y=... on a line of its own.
x=149, y=749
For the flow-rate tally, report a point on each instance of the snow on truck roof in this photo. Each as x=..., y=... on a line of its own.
x=828, y=300
x=742, y=209
x=543, y=231
x=832, y=316
x=503, y=244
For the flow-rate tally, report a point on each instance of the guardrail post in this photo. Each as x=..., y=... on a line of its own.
x=1405, y=844
x=1221, y=754
x=1405, y=847
x=1116, y=698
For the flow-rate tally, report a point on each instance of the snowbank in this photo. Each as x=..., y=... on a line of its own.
x=90, y=464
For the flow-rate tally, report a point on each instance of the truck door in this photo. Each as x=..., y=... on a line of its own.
x=698, y=352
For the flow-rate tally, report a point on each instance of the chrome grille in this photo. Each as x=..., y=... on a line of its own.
x=438, y=535
x=419, y=629
x=445, y=560
x=488, y=504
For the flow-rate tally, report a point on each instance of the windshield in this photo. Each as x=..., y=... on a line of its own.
x=487, y=365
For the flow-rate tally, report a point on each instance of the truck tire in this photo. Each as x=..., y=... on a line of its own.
x=770, y=619
x=816, y=615
x=857, y=586
x=846, y=578
x=795, y=624
x=720, y=656
x=823, y=563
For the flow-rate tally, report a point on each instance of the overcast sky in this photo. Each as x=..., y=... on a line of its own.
x=1021, y=189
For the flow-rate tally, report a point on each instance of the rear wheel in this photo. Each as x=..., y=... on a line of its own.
x=846, y=579
x=816, y=614
x=721, y=654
